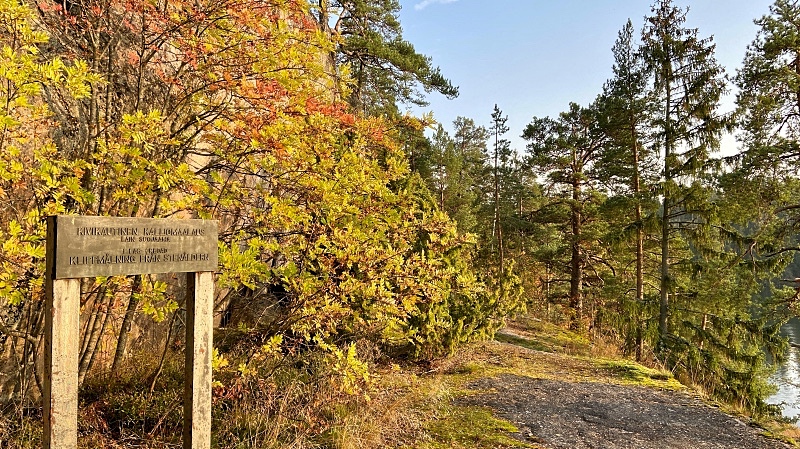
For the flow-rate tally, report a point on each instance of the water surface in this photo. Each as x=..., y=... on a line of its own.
x=787, y=377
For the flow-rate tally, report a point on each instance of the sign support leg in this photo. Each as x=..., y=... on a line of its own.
x=197, y=371
x=62, y=336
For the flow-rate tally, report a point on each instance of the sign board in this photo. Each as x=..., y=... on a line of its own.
x=84, y=246
x=88, y=246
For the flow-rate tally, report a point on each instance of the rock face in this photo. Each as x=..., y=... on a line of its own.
x=568, y=415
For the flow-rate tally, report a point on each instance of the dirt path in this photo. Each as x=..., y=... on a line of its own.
x=580, y=415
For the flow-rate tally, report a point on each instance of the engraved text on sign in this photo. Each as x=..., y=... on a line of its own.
x=105, y=246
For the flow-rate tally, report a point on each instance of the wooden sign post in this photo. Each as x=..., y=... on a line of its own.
x=84, y=246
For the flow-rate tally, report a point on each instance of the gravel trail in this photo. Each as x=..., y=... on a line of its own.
x=580, y=415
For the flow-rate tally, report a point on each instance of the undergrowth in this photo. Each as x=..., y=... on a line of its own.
x=300, y=401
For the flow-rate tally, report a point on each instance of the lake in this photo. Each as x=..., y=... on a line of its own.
x=787, y=377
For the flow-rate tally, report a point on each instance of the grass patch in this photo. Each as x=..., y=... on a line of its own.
x=789, y=433
x=633, y=373
x=524, y=342
x=544, y=336
x=470, y=427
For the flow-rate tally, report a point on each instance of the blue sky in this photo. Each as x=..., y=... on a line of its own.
x=533, y=57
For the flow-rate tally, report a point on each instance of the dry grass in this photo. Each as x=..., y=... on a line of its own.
x=20, y=432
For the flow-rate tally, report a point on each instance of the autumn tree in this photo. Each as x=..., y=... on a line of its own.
x=227, y=110
x=34, y=182
x=224, y=110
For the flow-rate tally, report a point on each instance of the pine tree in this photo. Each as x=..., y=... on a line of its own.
x=442, y=149
x=564, y=151
x=627, y=165
x=385, y=68
x=466, y=169
x=501, y=155
x=457, y=179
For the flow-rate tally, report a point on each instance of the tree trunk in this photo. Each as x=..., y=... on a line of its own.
x=639, y=341
x=637, y=189
x=576, y=262
x=127, y=322
x=665, y=215
x=98, y=329
x=441, y=193
x=703, y=327
x=496, y=222
x=797, y=72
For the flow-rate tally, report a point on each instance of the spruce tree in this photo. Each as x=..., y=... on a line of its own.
x=687, y=85
x=767, y=178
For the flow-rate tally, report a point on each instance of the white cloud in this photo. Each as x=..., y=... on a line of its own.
x=425, y=3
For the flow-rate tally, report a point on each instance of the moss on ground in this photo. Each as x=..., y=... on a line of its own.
x=543, y=336
x=470, y=427
x=632, y=373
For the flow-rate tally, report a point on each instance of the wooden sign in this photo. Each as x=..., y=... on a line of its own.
x=89, y=246
x=85, y=246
